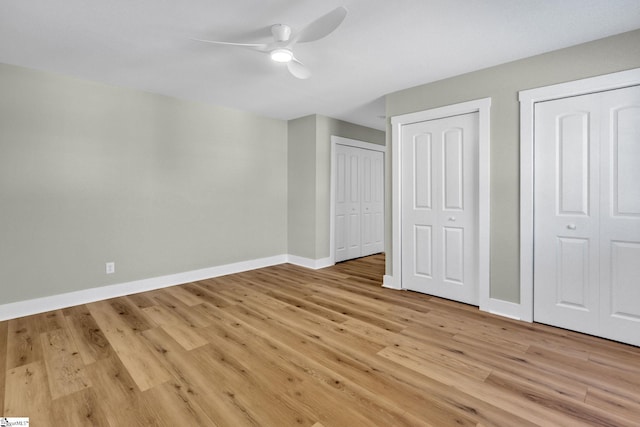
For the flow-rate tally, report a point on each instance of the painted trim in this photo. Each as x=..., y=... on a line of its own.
x=314, y=264
x=502, y=308
x=335, y=140
x=389, y=283
x=483, y=108
x=528, y=99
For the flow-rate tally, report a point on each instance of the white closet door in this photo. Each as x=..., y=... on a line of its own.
x=359, y=202
x=372, y=202
x=439, y=207
x=587, y=214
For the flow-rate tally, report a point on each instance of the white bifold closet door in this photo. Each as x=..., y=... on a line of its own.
x=359, y=202
x=440, y=207
x=587, y=214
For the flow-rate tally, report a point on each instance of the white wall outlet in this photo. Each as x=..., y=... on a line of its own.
x=110, y=267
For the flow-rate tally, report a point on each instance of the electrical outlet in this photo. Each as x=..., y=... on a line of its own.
x=110, y=267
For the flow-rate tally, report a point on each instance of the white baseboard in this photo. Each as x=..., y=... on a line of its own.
x=390, y=283
x=502, y=308
x=314, y=264
x=56, y=302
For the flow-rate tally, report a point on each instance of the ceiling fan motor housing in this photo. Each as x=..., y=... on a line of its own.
x=281, y=32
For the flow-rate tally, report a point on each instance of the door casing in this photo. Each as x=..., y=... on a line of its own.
x=482, y=106
x=528, y=99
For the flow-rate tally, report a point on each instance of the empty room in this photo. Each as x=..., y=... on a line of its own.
x=320, y=214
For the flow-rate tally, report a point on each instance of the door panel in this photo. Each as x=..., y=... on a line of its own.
x=625, y=273
x=573, y=273
x=423, y=251
x=439, y=207
x=626, y=154
x=453, y=178
x=573, y=153
x=453, y=255
x=422, y=175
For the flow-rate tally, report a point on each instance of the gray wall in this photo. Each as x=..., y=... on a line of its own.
x=91, y=173
x=302, y=190
x=502, y=84
x=310, y=179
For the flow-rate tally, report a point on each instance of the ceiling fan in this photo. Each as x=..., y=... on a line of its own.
x=281, y=49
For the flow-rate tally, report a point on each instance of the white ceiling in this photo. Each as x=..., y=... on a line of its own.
x=381, y=47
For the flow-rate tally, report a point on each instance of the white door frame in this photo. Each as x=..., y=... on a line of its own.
x=528, y=99
x=482, y=107
x=350, y=143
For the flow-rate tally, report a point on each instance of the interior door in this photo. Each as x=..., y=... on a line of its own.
x=439, y=207
x=587, y=214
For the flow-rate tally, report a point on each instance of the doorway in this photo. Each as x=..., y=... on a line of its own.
x=441, y=212
x=357, y=199
x=580, y=206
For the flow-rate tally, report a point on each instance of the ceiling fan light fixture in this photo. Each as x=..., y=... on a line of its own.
x=282, y=55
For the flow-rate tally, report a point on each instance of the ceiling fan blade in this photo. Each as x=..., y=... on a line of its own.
x=254, y=45
x=298, y=70
x=322, y=26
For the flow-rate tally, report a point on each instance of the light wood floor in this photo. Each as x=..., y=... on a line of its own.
x=287, y=346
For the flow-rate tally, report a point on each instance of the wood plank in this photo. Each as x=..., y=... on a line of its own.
x=141, y=363
x=142, y=300
x=23, y=342
x=28, y=394
x=299, y=301
x=184, y=334
x=131, y=314
x=614, y=404
x=184, y=296
x=203, y=291
x=50, y=320
x=120, y=400
x=79, y=409
x=91, y=342
x=65, y=369
x=350, y=311
x=187, y=313
x=173, y=404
